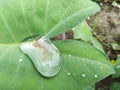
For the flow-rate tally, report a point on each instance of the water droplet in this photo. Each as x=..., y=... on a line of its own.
x=69, y=55
x=83, y=75
x=7, y=49
x=92, y=62
x=68, y=74
x=20, y=60
x=118, y=67
x=73, y=29
x=96, y=75
x=44, y=55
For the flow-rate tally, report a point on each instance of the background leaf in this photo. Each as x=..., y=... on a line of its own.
x=83, y=32
x=20, y=19
x=80, y=68
x=115, y=86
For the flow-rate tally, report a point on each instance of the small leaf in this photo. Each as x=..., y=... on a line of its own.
x=83, y=32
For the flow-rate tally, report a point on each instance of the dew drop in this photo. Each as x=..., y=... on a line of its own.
x=44, y=55
x=73, y=29
x=68, y=74
x=69, y=55
x=7, y=49
x=83, y=75
x=20, y=60
x=96, y=75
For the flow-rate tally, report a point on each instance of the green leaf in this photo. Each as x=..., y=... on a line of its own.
x=117, y=68
x=80, y=68
x=115, y=86
x=83, y=32
x=20, y=19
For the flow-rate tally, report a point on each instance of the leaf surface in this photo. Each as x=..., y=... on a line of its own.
x=80, y=68
x=21, y=19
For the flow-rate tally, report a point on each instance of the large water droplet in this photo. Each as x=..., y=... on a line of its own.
x=96, y=75
x=83, y=75
x=44, y=55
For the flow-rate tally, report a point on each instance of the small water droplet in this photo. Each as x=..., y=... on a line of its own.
x=7, y=49
x=20, y=60
x=83, y=75
x=96, y=75
x=118, y=66
x=69, y=55
x=68, y=74
x=73, y=29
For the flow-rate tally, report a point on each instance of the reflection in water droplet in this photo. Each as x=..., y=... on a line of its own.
x=69, y=55
x=83, y=75
x=44, y=55
x=68, y=74
x=20, y=60
x=96, y=75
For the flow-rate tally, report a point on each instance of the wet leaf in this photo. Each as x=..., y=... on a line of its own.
x=80, y=68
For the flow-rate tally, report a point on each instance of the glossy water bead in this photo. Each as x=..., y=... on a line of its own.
x=44, y=55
